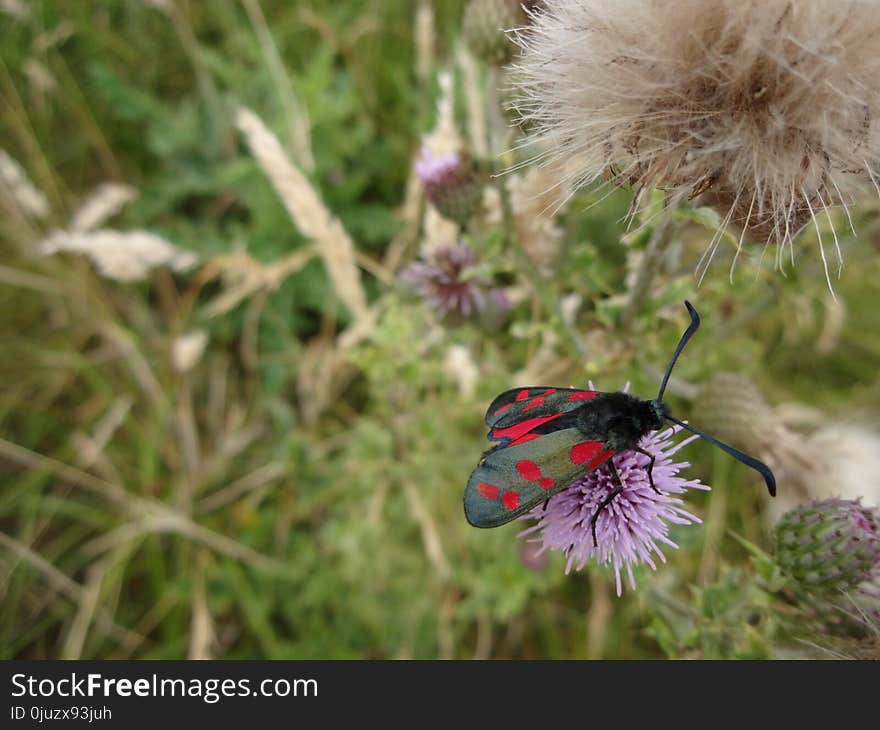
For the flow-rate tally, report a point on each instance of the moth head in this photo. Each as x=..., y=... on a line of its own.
x=658, y=414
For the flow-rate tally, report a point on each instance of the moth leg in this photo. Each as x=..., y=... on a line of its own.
x=650, y=467
x=605, y=502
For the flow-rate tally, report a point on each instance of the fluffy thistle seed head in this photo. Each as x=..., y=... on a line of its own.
x=829, y=546
x=771, y=107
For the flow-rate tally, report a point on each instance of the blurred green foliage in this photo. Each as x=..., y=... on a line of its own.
x=289, y=498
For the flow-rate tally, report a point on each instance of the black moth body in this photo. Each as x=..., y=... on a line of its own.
x=619, y=420
x=548, y=438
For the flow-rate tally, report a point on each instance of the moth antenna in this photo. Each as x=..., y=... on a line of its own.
x=688, y=333
x=758, y=466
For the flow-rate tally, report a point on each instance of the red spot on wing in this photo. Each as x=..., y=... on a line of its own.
x=601, y=458
x=510, y=499
x=528, y=470
x=489, y=491
x=521, y=429
x=549, y=391
x=534, y=403
x=522, y=395
x=582, y=395
x=584, y=451
x=524, y=439
x=531, y=472
x=502, y=409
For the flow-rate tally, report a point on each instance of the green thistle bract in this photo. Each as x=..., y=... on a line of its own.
x=829, y=546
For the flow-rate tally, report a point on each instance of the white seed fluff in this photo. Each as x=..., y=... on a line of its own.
x=768, y=109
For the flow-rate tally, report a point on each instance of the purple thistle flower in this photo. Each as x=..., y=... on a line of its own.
x=443, y=282
x=449, y=183
x=437, y=170
x=631, y=529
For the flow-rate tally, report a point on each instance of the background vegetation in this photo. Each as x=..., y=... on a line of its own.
x=295, y=492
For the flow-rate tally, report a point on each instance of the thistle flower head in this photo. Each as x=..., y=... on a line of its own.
x=634, y=527
x=450, y=183
x=436, y=170
x=829, y=545
x=446, y=283
x=484, y=23
x=769, y=107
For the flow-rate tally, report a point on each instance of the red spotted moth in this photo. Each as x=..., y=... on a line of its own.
x=550, y=437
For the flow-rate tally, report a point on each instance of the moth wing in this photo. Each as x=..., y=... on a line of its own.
x=511, y=481
x=520, y=404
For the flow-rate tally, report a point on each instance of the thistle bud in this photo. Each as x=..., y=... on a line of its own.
x=829, y=545
x=484, y=24
x=450, y=183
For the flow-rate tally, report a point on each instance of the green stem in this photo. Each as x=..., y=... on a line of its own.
x=546, y=294
x=647, y=268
